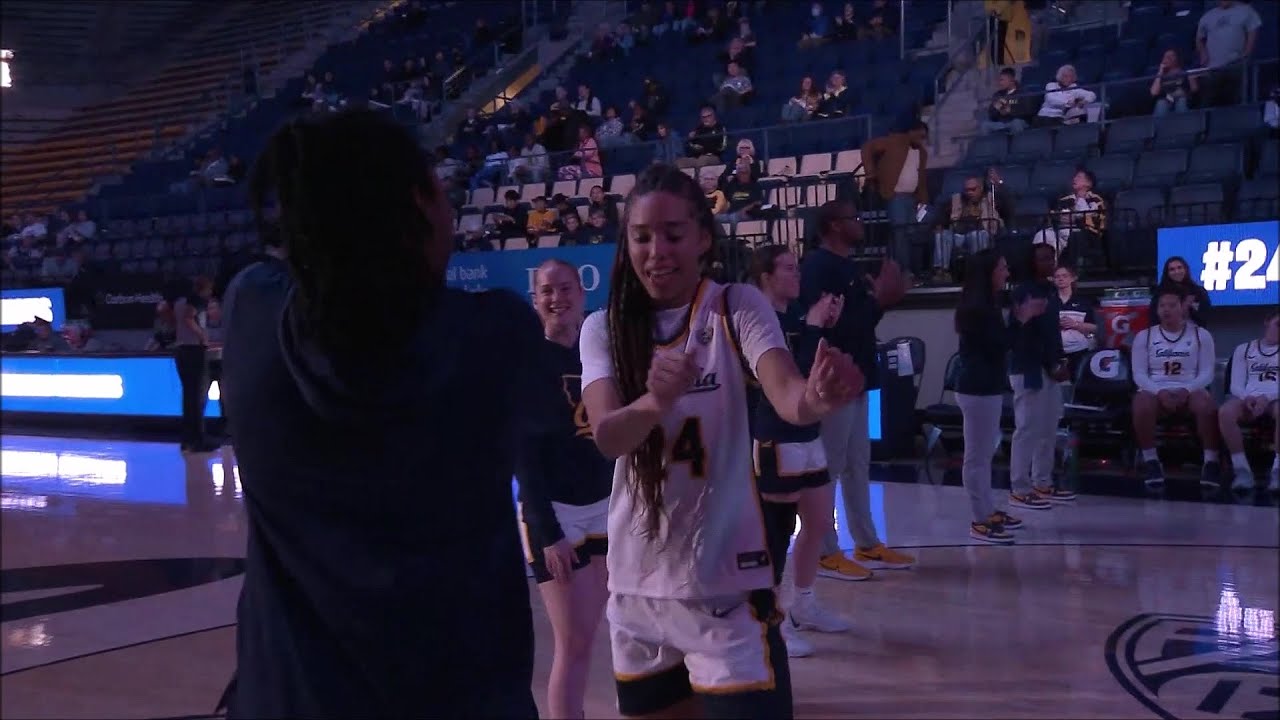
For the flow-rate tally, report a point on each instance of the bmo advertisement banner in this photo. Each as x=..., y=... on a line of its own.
x=513, y=270
x=1237, y=263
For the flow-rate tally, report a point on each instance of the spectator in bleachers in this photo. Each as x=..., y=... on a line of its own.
x=571, y=230
x=598, y=200
x=482, y=35
x=541, y=220
x=847, y=24
x=1173, y=380
x=655, y=99
x=735, y=52
x=716, y=200
x=512, y=220
x=34, y=226
x=1172, y=87
x=537, y=164
x=472, y=127
x=585, y=162
x=1077, y=320
x=711, y=28
x=587, y=101
x=164, y=328
x=745, y=152
x=63, y=264
x=79, y=231
x=881, y=23
x=27, y=254
x=598, y=231
x=835, y=99
x=1079, y=218
x=644, y=20
x=1064, y=101
x=1175, y=276
x=803, y=104
x=669, y=150
x=706, y=142
x=78, y=338
x=1009, y=110
x=744, y=194
x=609, y=132
x=969, y=221
x=626, y=39
x=736, y=89
x=641, y=128
x=446, y=166
x=669, y=20
x=895, y=165
x=494, y=169
x=1254, y=396
x=603, y=44
x=1226, y=36
x=745, y=33
x=817, y=29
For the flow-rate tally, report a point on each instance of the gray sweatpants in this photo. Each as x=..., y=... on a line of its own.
x=981, y=436
x=848, y=447
x=1035, y=416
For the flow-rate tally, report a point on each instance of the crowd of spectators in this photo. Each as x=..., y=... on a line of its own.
x=51, y=247
x=1225, y=38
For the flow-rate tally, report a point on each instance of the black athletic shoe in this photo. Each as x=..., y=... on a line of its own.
x=1005, y=520
x=1154, y=479
x=990, y=532
x=1211, y=475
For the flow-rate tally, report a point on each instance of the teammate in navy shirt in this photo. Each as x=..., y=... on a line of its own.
x=377, y=416
x=790, y=462
x=564, y=498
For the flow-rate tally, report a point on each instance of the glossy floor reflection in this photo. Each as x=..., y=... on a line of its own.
x=121, y=564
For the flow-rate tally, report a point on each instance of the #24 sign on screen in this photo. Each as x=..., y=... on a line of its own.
x=1237, y=263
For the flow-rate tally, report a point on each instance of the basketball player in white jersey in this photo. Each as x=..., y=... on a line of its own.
x=1255, y=394
x=564, y=498
x=692, y=613
x=1173, y=366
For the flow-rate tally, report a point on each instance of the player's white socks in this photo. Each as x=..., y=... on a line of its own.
x=1210, y=456
x=1150, y=454
x=1240, y=463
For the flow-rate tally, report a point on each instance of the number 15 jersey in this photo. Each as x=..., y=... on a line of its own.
x=711, y=538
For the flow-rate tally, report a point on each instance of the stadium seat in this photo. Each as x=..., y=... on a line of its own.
x=1195, y=205
x=1160, y=168
x=1177, y=130
x=1029, y=146
x=1112, y=172
x=1052, y=178
x=944, y=418
x=1137, y=208
x=1268, y=160
x=985, y=150
x=1016, y=178
x=1215, y=164
x=1235, y=124
x=1076, y=142
x=1258, y=199
x=1130, y=135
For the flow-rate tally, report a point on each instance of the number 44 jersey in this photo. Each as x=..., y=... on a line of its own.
x=711, y=539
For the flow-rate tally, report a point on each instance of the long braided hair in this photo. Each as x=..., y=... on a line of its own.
x=348, y=186
x=630, y=314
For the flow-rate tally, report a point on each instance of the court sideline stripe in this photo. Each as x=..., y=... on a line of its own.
x=905, y=547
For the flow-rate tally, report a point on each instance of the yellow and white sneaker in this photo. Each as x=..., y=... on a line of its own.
x=883, y=558
x=839, y=567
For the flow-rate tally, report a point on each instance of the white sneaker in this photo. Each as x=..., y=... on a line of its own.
x=807, y=614
x=1243, y=480
x=797, y=647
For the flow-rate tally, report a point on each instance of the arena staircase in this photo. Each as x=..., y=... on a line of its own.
x=194, y=85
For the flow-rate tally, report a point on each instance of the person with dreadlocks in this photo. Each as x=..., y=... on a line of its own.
x=377, y=419
x=692, y=613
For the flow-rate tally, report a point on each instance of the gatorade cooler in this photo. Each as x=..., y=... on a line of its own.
x=1123, y=313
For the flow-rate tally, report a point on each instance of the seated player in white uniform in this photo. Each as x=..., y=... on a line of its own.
x=1173, y=368
x=693, y=619
x=1255, y=394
